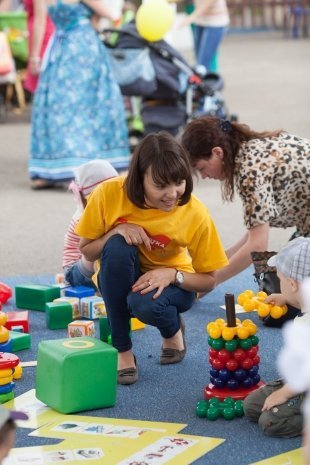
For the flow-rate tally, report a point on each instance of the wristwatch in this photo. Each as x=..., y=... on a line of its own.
x=179, y=278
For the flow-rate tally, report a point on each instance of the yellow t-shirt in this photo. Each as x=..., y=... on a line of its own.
x=184, y=238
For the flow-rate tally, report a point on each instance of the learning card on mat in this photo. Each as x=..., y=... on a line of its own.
x=292, y=457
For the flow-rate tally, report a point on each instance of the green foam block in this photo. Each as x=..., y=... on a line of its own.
x=76, y=374
x=58, y=315
x=35, y=296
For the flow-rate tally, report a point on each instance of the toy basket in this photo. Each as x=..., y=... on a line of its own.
x=15, y=25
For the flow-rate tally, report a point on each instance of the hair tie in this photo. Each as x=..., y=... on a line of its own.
x=225, y=125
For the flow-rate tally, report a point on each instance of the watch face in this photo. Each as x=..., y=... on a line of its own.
x=179, y=277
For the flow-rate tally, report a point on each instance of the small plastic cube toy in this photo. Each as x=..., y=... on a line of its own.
x=92, y=307
x=80, y=328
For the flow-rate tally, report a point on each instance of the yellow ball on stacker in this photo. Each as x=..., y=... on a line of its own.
x=154, y=18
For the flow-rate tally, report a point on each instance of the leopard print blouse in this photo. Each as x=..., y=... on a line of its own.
x=272, y=176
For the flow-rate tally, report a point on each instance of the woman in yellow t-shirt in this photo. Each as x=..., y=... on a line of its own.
x=157, y=246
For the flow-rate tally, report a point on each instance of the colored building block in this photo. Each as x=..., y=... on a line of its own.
x=8, y=362
x=136, y=324
x=58, y=314
x=80, y=328
x=79, y=291
x=20, y=341
x=35, y=296
x=92, y=307
x=104, y=329
x=78, y=374
x=17, y=319
x=18, y=372
x=6, y=397
x=75, y=304
x=4, y=334
x=7, y=346
x=6, y=388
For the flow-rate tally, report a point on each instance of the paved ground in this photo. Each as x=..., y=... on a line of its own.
x=266, y=83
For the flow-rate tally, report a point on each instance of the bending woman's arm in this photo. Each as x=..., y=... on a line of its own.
x=255, y=240
x=132, y=233
x=99, y=8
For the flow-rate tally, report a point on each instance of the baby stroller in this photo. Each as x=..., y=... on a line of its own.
x=170, y=91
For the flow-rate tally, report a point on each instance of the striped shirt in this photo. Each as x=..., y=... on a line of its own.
x=71, y=252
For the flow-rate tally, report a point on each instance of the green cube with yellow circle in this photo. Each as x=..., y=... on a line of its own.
x=76, y=374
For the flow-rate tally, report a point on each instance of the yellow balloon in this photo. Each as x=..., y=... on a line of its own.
x=154, y=18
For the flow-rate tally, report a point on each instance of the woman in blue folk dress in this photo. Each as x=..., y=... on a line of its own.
x=78, y=112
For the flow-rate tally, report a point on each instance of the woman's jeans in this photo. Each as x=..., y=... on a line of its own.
x=119, y=270
x=207, y=41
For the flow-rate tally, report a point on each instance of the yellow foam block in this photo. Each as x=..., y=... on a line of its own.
x=137, y=324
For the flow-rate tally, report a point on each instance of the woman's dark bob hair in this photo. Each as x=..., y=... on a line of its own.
x=169, y=164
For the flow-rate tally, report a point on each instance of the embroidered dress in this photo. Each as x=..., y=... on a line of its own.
x=78, y=112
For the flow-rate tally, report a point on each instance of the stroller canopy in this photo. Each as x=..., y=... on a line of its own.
x=161, y=67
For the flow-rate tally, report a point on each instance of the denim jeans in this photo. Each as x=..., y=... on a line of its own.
x=79, y=275
x=119, y=270
x=207, y=41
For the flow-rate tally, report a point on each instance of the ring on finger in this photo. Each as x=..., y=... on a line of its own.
x=149, y=282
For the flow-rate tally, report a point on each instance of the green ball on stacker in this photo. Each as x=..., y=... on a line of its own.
x=218, y=344
x=231, y=345
x=246, y=344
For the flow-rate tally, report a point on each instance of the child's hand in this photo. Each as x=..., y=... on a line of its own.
x=278, y=397
x=276, y=299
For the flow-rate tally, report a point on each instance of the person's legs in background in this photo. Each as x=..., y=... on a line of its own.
x=207, y=41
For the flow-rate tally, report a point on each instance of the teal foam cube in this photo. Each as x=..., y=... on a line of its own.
x=75, y=375
x=20, y=341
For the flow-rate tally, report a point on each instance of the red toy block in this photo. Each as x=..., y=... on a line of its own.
x=5, y=293
x=15, y=319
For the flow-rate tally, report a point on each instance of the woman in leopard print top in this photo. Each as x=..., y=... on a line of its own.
x=269, y=170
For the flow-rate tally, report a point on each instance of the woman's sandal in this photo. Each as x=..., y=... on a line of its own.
x=129, y=375
x=168, y=355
